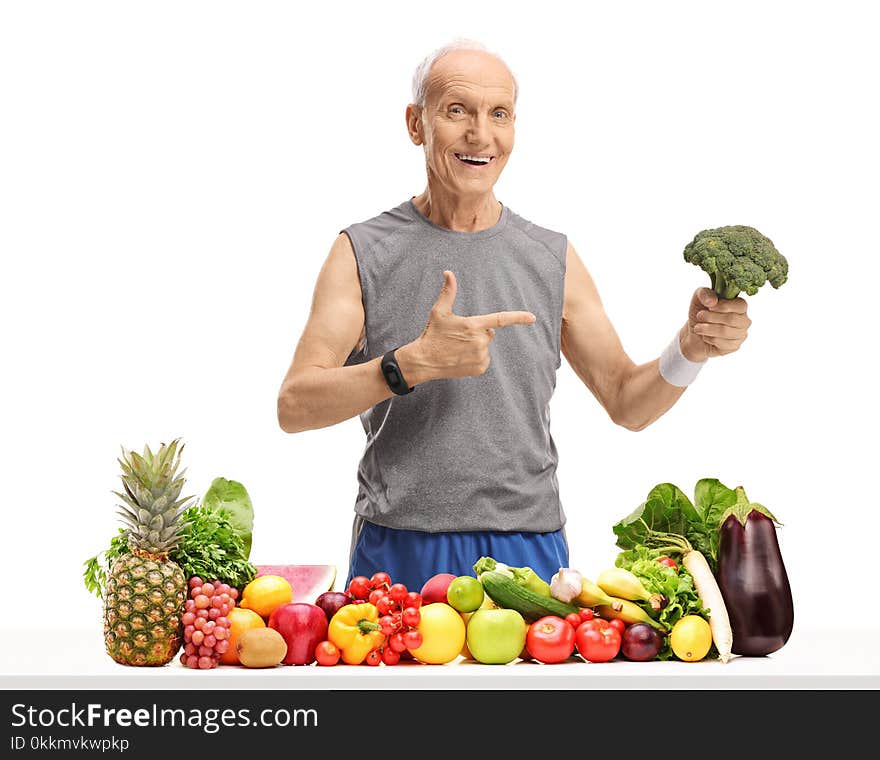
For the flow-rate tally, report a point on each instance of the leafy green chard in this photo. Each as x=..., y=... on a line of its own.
x=232, y=496
x=668, y=510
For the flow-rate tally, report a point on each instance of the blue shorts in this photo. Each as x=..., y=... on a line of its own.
x=412, y=556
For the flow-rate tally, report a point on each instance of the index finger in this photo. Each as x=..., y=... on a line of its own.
x=502, y=319
x=735, y=305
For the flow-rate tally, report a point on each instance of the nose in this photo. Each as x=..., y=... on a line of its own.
x=478, y=129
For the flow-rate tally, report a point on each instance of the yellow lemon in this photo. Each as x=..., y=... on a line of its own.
x=265, y=593
x=691, y=638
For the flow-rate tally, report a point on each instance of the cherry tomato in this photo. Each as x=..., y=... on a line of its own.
x=375, y=595
x=586, y=613
x=385, y=605
x=359, y=587
x=669, y=562
x=412, y=639
x=618, y=624
x=387, y=623
x=396, y=642
x=327, y=653
x=596, y=642
x=573, y=619
x=398, y=592
x=411, y=617
x=374, y=657
x=550, y=639
x=389, y=656
x=380, y=580
x=413, y=599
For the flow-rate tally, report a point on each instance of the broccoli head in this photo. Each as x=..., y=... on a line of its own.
x=739, y=259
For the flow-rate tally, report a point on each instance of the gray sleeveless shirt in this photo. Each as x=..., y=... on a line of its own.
x=473, y=453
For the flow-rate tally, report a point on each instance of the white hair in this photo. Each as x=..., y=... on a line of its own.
x=423, y=70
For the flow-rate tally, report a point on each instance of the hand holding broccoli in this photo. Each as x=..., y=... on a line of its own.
x=715, y=326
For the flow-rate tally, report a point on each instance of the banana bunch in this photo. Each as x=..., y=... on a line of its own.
x=614, y=594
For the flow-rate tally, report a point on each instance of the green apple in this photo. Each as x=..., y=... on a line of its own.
x=496, y=636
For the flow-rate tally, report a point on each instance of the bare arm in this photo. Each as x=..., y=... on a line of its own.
x=319, y=390
x=633, y=395
x=637, y=395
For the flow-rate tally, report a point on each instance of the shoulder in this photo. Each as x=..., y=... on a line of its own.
x=365, y=234
x=554, y=241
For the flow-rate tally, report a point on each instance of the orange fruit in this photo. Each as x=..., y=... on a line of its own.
x=240, y=620
x=266, y=593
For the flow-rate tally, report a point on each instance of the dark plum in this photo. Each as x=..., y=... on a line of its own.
x=331, y=601
x=641, y=642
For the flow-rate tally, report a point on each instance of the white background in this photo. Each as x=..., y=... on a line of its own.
x=172, y=176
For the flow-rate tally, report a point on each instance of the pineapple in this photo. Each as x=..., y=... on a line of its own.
x=145, y=590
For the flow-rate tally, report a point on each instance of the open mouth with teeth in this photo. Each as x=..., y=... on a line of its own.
x=474, y=160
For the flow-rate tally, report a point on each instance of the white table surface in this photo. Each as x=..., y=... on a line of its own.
x=812, y=659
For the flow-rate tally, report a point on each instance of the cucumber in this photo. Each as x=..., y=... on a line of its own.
x=507, y=593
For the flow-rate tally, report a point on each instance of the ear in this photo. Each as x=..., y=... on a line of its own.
x=414, y=124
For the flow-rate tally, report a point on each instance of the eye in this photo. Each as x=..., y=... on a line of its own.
x=453, y=109
x=502, y=112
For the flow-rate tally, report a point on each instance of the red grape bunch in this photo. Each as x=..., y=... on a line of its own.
x=205, y=623
x=399, y=615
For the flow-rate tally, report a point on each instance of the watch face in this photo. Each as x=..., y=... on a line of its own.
x=393, y=376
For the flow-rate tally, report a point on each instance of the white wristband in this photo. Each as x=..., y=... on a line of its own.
x=675, y=367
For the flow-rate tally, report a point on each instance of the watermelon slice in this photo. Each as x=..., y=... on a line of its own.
x=307, y=581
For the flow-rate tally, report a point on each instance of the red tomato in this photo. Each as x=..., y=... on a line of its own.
x=597, y=641
x=374, y=657
x=327, y=653
x=596, y=623
x=668, y=562
x=550, y=639
x=618, y=624
x=574, y=619
x=586, y=614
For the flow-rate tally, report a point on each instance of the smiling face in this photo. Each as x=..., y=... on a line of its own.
x=467, y=124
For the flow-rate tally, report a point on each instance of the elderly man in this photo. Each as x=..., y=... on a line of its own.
x=441, y=322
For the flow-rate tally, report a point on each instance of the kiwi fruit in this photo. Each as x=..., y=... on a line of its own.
x=261, y=648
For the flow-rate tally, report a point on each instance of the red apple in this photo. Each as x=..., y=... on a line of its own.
x=435, y=587
x=303, y=627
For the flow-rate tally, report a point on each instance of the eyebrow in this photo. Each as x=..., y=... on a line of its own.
x=461, y=95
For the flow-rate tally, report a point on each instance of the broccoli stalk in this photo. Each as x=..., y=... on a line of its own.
x=738, y=259
x=722, y=287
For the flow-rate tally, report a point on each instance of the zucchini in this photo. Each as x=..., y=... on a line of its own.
x=507, y=593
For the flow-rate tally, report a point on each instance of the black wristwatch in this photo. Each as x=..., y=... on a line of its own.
x=393, y=375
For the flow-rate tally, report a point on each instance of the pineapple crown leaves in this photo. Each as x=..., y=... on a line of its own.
x=152, y=507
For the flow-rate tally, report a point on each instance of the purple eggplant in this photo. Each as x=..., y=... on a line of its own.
x=753, y=580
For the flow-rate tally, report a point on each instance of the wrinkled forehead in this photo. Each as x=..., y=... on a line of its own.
x=472, y=74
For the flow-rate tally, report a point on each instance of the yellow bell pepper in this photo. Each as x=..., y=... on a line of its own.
x=355, y=630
